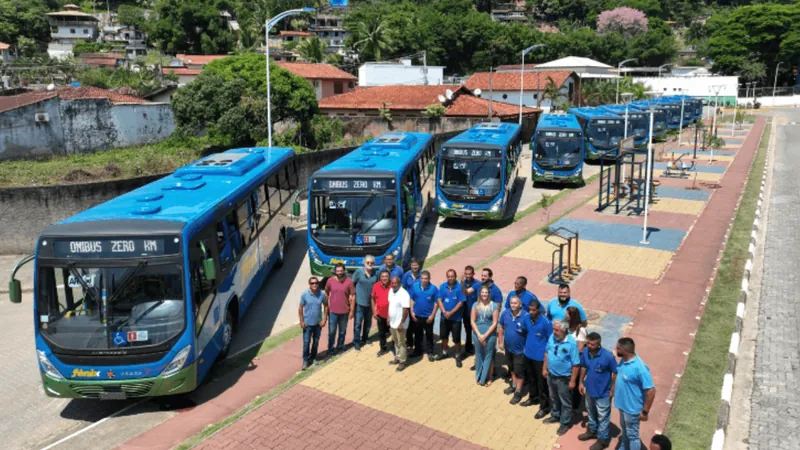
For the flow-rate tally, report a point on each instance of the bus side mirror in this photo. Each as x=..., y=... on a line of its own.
x=210, y=269
x=296, y=209
x=15, y=291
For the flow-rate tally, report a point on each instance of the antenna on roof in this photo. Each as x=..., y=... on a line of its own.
x=477, y=92
x=441, y=98
x=449, y=94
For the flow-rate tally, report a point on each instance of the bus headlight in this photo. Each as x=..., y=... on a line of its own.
x=496, y=206
x=396, y=252
x=442, y=205
x=314, y=255
x=48, y=367
x=177, y=362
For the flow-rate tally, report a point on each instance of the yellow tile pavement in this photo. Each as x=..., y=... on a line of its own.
x=678, y=205
x=437, y=395
x=621, y=259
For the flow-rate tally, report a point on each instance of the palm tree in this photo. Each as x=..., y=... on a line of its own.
x=312, y=49
x=552, y=92
x=373, y=39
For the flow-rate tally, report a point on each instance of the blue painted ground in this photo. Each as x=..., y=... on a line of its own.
x=732, y=141
x=615, y=233
x=685, y=194
x=702, y=169
x=700, y=152
x=611, y=328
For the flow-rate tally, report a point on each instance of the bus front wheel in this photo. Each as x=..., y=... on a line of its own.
x=227, y=334
x=281, y=249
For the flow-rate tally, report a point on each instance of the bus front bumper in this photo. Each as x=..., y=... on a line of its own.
x=185, y=380
x=552, y=178
x=468, y=214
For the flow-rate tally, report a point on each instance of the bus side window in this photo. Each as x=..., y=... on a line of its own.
x=227, y=242
x=203, y=289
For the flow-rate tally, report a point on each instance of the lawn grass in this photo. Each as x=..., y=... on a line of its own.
x=692, y=421
x=109, y=164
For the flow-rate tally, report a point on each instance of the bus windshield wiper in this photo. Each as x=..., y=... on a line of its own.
x=79, y=277
x=364, y=208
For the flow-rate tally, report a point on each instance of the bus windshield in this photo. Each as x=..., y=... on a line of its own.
x=558, y=152
x=605, y=133
x=144, y=304
x=639, y=124
x=354, y=218
x=476, y=177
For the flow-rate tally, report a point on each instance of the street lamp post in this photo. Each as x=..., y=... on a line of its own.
x=619, y=70
x=715, y=89
x=735, y=106
x=626, y=97
x=522, y=76
x=660, y=67
x=775, y=84
x=680, y=126
x=271, y=23
x=648, y=170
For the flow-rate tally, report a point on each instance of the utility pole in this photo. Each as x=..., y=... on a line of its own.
x=491, y=78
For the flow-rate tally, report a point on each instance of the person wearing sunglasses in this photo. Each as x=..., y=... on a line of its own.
x=313, y=304
x=364, y=279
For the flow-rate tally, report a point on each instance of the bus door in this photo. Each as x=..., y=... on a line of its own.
x=206, y=305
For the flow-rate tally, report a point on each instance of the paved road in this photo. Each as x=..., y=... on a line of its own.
x=775, y=403
x=32, y=420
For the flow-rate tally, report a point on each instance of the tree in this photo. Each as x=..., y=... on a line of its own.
x=553, y=92
x=199, y=104
x=132, y=16
x=312, y=49
x=374, y=41
x=24, y=18
x=627, y=21
x=192, y=26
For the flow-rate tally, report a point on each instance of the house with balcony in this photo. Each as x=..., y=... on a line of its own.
x=330, y=29
x=514, y=11
x=70, y=26
x=125, y=39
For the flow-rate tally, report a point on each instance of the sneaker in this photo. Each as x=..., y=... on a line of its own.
x=358, y=349
x=305, y=365
x=562, y=430
x=430, y=357
x=541, y=413
x=394, y=362
x=600, y=444
x=552, y=419
x=516, y=398
x=588, y=434
x=458, y=362
x=401, y=367
x=509, y=390
x=381, y=353
x=441, y=356
x=529, y=402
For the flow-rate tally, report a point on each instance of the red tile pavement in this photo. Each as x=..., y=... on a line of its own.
x=610, y=292
x=508, y=268
x=305, y=418
x=658, y=219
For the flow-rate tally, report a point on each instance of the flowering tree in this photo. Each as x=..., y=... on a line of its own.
x=627, y=21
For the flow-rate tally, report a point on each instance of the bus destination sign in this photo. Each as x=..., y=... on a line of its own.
x=354, y=184
x=473, y=153
x=113, y=248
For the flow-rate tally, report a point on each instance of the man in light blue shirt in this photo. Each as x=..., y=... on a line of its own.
x=634, y=393
x=313, y=304
x=557, y=308
x=561, y=366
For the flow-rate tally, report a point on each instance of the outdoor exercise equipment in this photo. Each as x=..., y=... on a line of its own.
x=563, y=239
x=614, y=184
x=678, y=169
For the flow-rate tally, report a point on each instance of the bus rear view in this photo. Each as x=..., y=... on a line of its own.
x=372, y=201
x=558, y=149
x=477, y=170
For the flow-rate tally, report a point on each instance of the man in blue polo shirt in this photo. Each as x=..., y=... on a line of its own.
x=561, y=366
x=451, y=303
x=521, y=291
x=557, y=308
x=494, y=292
x=388, y=264
x=634, y=393
x=539, y=330
x=424, y=305
x=511, y=339
x=470, y=287
x=598, y=374
x=407, y=281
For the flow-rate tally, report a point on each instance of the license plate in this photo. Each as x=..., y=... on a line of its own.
x=457, y=205
x=112, y=396
x=548, y=174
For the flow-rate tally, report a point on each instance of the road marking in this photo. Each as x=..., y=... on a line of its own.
x=85, y=429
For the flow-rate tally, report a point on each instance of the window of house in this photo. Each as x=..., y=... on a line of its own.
x=54, y=30
x=351, y=85
x=338, y=88
x=505, y=96
x=72, y=30
x=315, y=83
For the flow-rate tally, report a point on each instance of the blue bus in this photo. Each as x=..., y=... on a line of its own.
x=659, y=118
x=603, y=131
x=673, y=108
x=371, y=201
x=477, y=171
x=138, y=296
x=558, y=149
x=692, y=107
x=638, y=122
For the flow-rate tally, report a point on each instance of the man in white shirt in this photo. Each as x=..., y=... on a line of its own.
x=399, y=304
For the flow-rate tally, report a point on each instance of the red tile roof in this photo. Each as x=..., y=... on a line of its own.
x=296, y=33
x=313, y=71
x=99, y=62
x=181, y=71
x=102, y=55
x=198, y=59
x=515, y=66
x=4, y=46
x=509, y=81
x=417, y=98
x=66, y=93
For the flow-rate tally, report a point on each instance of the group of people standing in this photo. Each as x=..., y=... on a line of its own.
x=547, y=347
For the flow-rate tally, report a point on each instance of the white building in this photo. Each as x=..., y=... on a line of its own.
x=505, y=87
x=397, y=73
x=700, y=86
x=583, y=67
x=70, y=26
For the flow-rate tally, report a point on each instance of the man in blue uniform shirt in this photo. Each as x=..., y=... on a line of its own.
x=388, y=264
x=521, y=291
x=408, y=280
x=470, y=287
x=424, y=305
x=539, y=331
x=451, y=302
x=598, y=374
x=511, y=339
x=561, y=366
x=557, y=308
x=494, y=292
x=634, y=393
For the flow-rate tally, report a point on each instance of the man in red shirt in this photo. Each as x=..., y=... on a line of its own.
x=380, y=308
x=341, y=304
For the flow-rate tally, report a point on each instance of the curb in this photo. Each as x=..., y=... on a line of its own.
x=723, y=415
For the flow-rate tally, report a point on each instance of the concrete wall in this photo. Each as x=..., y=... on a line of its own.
x=77, y=126
x=382, y=74
x=694, y=86
x=27, y=211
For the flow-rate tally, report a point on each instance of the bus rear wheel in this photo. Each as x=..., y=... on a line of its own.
x=227, y=334
x=281, y=249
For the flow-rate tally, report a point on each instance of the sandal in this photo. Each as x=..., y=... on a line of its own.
x=488, y=383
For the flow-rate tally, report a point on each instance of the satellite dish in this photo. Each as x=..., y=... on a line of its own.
x=449, y=94
x=51, y=86
x=477, y=92
x=441, y=98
